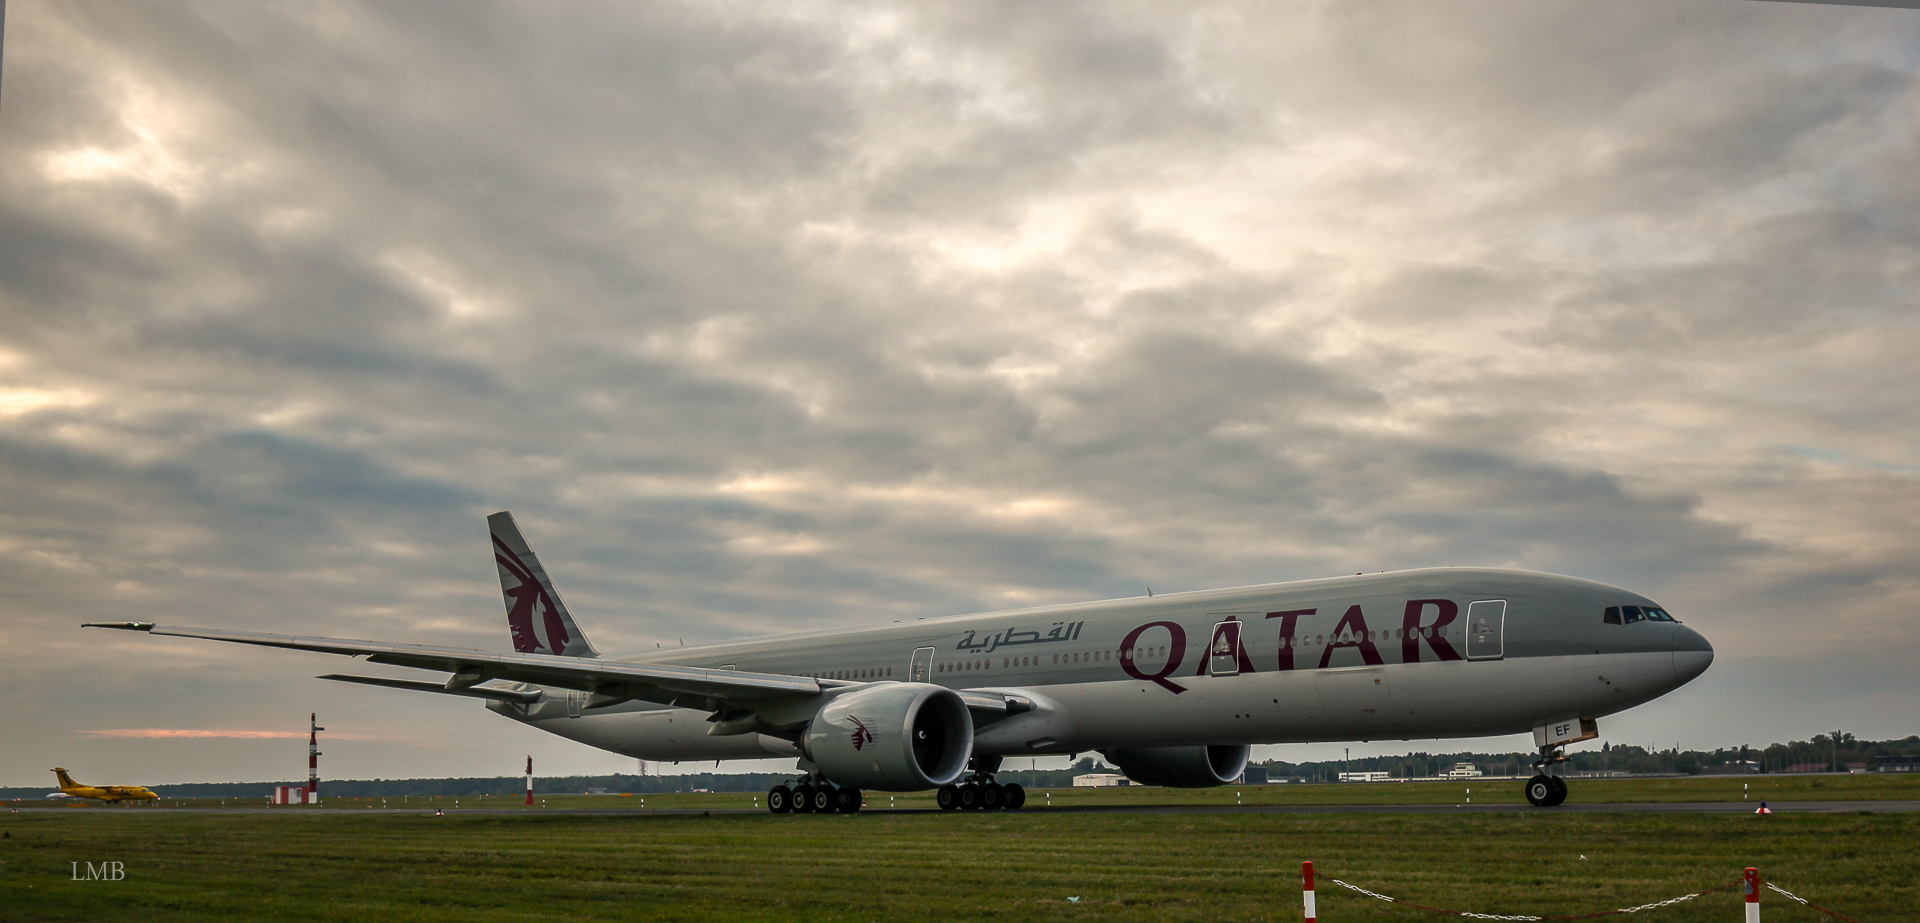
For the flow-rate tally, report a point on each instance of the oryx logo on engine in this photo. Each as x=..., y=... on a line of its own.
x=861, y=736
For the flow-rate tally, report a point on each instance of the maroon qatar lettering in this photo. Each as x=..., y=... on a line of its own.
x=1355, y=622
x=1434, y=634
x=1176, y=650
x=1288, y=620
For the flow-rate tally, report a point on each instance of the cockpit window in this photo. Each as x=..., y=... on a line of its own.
x=1627, y=615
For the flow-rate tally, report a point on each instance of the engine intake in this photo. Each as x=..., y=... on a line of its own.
x=1182, y=767
x=896, y=737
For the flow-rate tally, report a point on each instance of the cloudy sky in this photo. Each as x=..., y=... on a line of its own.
x=764, y=317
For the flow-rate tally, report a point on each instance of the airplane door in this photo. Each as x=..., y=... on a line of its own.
x=1223, y=652
x=921, y=666
x=1486, y=629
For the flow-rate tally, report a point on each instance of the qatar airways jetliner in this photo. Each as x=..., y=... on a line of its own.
x=1173, y=689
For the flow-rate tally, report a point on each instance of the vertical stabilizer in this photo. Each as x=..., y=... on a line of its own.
x=536, y=617
x=66, y=781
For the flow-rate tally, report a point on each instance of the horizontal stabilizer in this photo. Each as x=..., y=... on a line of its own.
x=478, y=692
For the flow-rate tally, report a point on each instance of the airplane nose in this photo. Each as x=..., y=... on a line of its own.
x=1691, y=653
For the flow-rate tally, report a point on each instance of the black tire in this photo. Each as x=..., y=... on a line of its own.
x=825, y=799
x=991, y=797
x=1559, y=791
x=969, y=797
x=948, y=797
x=779, y=799
x=1540, y=791
x=1012, y=796
x=847, y=800
x=803, y=799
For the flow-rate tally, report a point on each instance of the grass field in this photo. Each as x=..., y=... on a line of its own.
x=334, y=865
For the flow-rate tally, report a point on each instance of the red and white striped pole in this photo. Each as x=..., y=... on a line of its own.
x=1750, y=883
x=313, y=757
x=529, y=780
x=1306, y=889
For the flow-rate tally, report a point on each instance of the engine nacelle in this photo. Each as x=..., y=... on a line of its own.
x=1182, y=767
x=896, y=737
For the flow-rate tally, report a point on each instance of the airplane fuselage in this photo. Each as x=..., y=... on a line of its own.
x=1419, y=654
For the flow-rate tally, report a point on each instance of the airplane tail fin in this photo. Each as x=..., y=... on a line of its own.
x=536, y=617
x=66, y=781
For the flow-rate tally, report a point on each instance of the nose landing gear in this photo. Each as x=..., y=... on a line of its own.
x=1547, y=788
x=1546, y=791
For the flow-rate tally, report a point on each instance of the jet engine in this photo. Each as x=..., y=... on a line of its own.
x=1182, y=767
x=896, y=737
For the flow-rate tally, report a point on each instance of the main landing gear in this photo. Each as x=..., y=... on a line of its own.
x=814, y=795
x=978, y=792
x=1547, y=788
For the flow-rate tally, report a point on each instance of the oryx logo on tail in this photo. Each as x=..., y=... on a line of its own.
x=524, y=603
x=536, y=617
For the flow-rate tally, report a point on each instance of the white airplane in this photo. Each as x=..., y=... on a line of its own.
x=1173, y=689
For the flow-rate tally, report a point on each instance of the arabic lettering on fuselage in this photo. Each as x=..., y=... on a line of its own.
x=1061, y=631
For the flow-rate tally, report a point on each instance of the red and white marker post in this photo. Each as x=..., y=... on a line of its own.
x=1306, y=890
x=529, y=780
x=313, y=757
x=1750, y=884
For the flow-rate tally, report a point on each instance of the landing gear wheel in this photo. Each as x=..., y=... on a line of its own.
x=779, y=799
x=948, y=797
x=969, y=797
x=1540, y=791
x=803, y=799
x=1012, y=796
x=825, y=799
x=847, y=800
x=991, y=797
x=1559, y=790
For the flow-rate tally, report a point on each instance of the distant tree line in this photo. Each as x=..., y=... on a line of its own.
x=1823, y=751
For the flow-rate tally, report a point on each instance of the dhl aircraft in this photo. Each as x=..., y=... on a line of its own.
x=1174, y=689
x=101, y=792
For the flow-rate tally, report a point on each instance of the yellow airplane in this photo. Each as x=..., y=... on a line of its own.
x=102, y=792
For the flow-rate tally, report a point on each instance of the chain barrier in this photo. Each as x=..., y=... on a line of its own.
x=1575, y=916
x=1811, y=905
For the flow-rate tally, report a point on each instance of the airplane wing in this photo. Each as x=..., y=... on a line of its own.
x=669, y=684
x=610, y=680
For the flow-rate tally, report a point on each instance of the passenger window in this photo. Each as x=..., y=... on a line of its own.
x=1612, y=617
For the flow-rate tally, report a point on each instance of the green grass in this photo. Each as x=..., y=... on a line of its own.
x=334, y=865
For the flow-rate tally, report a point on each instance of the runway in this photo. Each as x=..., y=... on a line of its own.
x=1733, y=807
